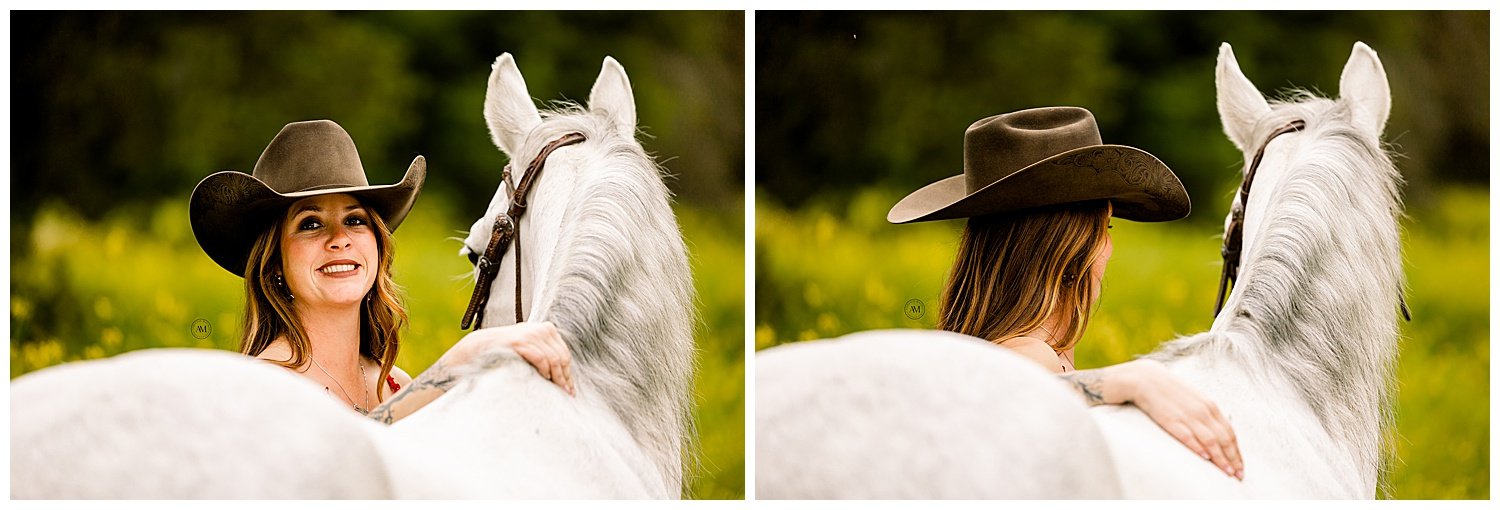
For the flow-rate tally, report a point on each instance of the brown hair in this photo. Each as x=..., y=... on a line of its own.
x=1015, y=269
x=269, y=313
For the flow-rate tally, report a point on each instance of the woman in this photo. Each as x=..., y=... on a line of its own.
x=1039, y=188
x=312, y=239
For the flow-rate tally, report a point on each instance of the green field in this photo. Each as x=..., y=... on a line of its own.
x=824, y=271
x=137, y=280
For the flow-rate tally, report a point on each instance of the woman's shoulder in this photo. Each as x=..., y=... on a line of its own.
x=400, y=376
x=1034, y=349
x=277, y=352
x=397, y=374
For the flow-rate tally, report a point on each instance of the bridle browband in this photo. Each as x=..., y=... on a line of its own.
x=1234, y=238
x=506, y=229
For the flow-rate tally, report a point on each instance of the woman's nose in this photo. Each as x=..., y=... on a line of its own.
x=340, y=239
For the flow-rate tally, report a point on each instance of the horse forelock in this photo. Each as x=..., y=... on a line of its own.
x=620, y=289
x=1321, y=281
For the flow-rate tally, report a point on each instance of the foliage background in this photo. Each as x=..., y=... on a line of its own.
x=854, y=110
x=116, y=116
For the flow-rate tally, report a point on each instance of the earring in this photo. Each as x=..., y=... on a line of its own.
x=280, y=283
x=1067, y=279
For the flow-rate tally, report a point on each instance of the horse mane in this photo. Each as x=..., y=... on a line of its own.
x=1321, y=282
x=620, y=290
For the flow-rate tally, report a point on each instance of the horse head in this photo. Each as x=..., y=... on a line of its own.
x=520, y=131
x=1272, y=137
x=598, y=252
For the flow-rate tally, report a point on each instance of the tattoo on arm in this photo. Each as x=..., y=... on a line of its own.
x=435, y=381
x=1088, y=383
x=438, y=377
x=382, y=413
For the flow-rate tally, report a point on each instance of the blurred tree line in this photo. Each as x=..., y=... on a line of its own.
x=120, y=107
x=846, y=100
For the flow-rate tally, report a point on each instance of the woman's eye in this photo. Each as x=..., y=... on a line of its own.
x=355, y=220
x=309, y=224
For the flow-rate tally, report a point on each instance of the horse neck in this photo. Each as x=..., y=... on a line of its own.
x=617, y=284
x=1318, y=290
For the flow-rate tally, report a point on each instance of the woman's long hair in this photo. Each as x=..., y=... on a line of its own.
x=269, y=313
x=1013, y=270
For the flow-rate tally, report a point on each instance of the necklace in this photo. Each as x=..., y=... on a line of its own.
x=361, y=410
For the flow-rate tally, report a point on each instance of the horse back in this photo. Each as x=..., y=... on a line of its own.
x=920, y=414
x=1285, y=450
x=185, y=424
x=505, y=432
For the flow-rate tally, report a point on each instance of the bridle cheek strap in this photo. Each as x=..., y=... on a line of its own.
x=487, y=268
x=1234, y=237
x=504, y=231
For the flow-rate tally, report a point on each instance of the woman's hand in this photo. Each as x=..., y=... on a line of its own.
x=1182, y=412
x=538, y=343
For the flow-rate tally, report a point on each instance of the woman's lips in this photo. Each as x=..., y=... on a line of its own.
x=339, y=268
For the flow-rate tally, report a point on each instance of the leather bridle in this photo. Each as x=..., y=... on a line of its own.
x=1234, y=237
x=506, y=229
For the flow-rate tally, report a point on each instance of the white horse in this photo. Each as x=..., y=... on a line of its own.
x=604, y=260
x=1300, y=360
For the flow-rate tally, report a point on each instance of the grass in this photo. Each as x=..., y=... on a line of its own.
x=825, y=271
x=137, y=280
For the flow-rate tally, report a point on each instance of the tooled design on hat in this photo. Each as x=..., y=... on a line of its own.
x=1131, y=166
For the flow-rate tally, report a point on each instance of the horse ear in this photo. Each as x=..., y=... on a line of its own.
x=1364, y=87
x=612, y=95
x=507, y=106
x=1240, y=103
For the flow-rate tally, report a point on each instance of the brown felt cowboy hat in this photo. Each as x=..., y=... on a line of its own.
x=1047, y=156
x=230, y=209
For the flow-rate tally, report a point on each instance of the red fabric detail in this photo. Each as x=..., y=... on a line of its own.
x=392, y=381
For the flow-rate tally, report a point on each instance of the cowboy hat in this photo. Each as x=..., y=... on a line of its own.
x=230, y=209
x=1047, y=156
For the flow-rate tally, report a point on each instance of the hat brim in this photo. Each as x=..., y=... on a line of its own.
x=1141, y=187
x=229, y=209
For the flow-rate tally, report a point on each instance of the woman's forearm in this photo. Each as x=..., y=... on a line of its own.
x=537, y=343
x=1108, y=385
x=428, y=386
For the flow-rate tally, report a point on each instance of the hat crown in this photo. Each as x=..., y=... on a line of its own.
x=996, y=147
x=310, y=155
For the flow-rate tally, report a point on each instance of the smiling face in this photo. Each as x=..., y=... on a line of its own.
x=328, y=251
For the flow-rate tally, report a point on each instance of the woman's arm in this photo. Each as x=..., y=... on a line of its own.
x=1178, y=409
x=428, y=386
x=538, y=343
